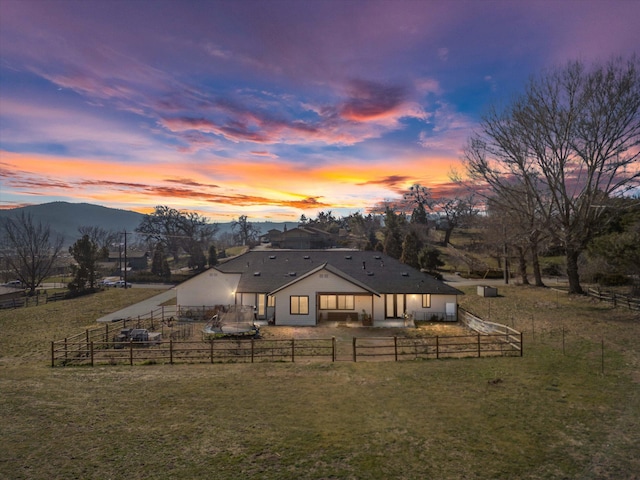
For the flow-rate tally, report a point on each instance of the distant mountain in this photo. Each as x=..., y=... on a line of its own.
x=65, y=218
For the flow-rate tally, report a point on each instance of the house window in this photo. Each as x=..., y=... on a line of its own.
x=337, y=302
x=426, y=300
x=271, y=301
x=394, y=305
x=299, y=305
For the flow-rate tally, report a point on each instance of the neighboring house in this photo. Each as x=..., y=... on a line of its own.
x=295, y=287
x=136, y=259
x=302, y=238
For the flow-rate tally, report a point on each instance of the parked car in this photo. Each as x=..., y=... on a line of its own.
x=122, y=284
x=14, y=284
x=107, y=283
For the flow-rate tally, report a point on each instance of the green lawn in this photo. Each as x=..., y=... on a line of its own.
x=546, y=415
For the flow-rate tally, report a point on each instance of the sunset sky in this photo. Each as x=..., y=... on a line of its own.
x=269, y=109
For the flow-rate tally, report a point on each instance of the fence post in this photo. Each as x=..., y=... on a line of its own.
x=211, y=350
x=521, y=345
x=91, y=350
x=354, y=349
x=86, y=334
x=170, y=351
x=333, y=349
x=478, y=345
x=437, y=347
x=293, y=349
x=65, y=350
x=131, y=352
x=395, y=346
x=53, y=364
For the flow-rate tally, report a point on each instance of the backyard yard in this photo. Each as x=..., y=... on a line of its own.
x=568, y=409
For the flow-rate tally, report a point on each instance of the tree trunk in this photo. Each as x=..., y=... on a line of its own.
x=572, y=271
x=447, y=236
x=522, y=265
x=535, y=263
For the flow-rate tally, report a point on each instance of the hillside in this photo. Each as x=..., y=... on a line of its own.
x=65, y=218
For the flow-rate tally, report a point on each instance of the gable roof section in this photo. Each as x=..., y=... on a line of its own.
x=270, y=270
x=331, y=269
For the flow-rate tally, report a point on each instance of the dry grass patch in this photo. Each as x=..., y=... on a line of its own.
x=547, y=415
x=27, y=332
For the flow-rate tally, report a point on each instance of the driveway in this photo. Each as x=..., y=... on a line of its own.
x=141, y=308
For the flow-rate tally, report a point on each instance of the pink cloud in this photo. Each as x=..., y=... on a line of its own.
x=370, y=101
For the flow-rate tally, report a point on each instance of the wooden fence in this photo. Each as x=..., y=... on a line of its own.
x=510, y=336
x=82, y=351
x=214, y=351
x=459, y=346
x=25, y=301
x=160, y=319
x=615, y=299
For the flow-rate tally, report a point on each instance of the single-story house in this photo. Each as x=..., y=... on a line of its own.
x=302, y=238
x=136, y=259
x=305, y=287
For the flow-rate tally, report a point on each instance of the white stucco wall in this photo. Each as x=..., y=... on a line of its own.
x=320, y=282
x=209, y=288
x=438, y=305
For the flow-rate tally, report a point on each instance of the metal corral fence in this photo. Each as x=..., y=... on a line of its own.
x=617, y=300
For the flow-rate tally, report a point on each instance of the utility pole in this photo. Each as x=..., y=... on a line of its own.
x=125, y=259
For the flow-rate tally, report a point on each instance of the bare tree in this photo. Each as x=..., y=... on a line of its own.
x=455, y=212
x=420, y=199
x=571, y=142
x=33, y=249
x=177, y=230
x=244, y=230
x=98, y=235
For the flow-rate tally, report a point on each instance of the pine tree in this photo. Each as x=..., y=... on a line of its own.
x=86, y=254
x=410, y=248
x=213, y=256
x=157, y=264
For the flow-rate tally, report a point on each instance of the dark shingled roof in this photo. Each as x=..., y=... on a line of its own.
x=269, y=270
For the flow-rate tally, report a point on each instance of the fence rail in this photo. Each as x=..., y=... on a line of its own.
x=160, y=319
x=214, y=351
x=459, y=346
x=615, y=299
x=83, y=351
x=25, y=301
